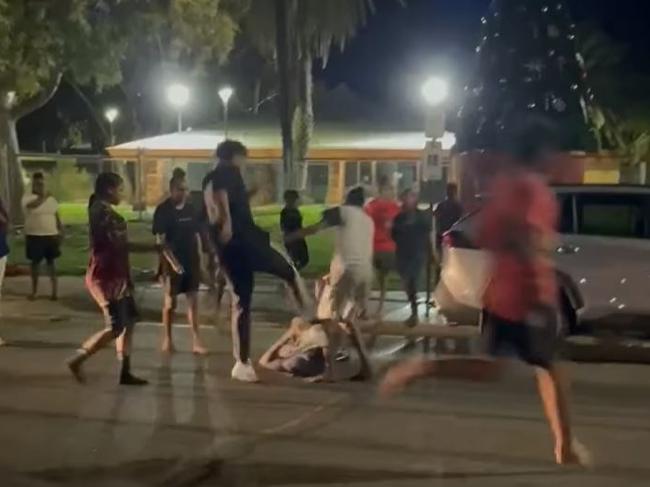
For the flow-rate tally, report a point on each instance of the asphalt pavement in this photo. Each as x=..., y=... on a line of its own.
x=194, y=426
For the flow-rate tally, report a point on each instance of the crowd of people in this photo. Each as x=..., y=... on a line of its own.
x=371, y=239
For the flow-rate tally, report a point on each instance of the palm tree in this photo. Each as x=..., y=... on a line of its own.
x=294, y=33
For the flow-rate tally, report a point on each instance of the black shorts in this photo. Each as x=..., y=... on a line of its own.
x=384, y=261
x=121, y=314
x=534, y=341
x=186, y=283
x=39, y=248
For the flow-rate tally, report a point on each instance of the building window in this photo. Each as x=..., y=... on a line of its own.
x=351, y=173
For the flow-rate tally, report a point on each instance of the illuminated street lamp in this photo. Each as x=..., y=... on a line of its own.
x=435, y=92
x=225, y=94
x=111, y=115
x=178, y=96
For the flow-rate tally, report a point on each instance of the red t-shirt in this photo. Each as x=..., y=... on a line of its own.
x=521, y=207
x=383, y=212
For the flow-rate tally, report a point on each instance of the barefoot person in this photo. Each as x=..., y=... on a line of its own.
x=244, y=249
x=520, y=303
x=108, y=279
x=412, y=235
x=176, y=228
x=43, y=233
x=383, y=210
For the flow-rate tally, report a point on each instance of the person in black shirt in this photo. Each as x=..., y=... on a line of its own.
x=243, y=249
x=446, y=213
x=290, y=222
x=411, y=232
x=176, y=229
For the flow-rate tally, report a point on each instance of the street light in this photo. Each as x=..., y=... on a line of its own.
x=178, y=95
x=225, y=93
x=435, y=92
x=111, y=115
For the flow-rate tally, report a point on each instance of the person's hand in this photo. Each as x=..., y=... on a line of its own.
x=225, y=235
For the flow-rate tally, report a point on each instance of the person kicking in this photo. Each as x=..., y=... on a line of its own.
x=520, y=303
x=244, y=249
x=176, y=229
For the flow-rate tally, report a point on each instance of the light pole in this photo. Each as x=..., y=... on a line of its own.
x=111, y=115
x=225, y=93
x=435, y=91
x=178, y=96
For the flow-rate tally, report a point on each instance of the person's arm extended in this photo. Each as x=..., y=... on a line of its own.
x=37, y=202
x=269, y=359
x=331, y=218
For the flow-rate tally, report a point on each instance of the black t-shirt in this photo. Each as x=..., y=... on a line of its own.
x=227, y=177
x=411, y=231
x=290, y=220
x=447, y=213
x=180, y=227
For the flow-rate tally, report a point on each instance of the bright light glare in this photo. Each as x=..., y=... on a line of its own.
x=111, y=114
x=447, y=141
x=178, y=95
x=435, y=91
x=225, y=93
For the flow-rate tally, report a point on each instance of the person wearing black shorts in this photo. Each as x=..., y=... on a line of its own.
x=244, y=249
x=520, y=318
x=43, y=233
x=176, y=227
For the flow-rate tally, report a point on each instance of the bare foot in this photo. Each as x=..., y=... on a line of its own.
x=167, y=346
x=199, y=349
x=400, y=376
x=75, y=367
x=574, y=454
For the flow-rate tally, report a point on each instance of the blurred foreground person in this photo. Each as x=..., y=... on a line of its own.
x=108, y=279
x=4, y=246
x=520, y=303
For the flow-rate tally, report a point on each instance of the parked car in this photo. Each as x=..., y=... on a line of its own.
x=603, y=261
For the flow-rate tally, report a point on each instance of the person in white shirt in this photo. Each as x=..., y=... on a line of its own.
x=351, y=270
x=43, y=232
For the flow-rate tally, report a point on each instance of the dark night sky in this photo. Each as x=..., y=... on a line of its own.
x=400, y=45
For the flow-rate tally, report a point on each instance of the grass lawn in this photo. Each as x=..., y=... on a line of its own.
x=74, y=256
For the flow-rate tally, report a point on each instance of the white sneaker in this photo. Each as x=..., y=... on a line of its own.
x=244, y=372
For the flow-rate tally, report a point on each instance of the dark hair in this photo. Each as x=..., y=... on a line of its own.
x=178, y=177
x=405, y=193
x=104, y=182
x=291, y=195
x=37, y=175
x=228, y=149
x=452, y=188
x=356, y=196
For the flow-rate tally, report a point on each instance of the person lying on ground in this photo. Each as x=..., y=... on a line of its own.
x=303, y=352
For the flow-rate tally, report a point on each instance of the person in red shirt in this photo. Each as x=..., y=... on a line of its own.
x=108, y=279
x=520, y=313
x=383, y=210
